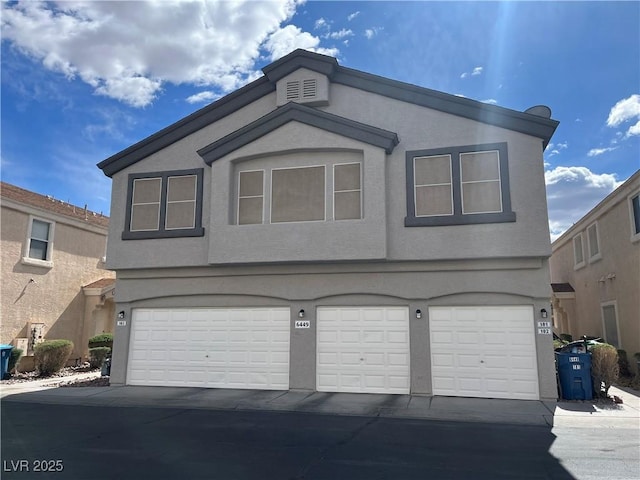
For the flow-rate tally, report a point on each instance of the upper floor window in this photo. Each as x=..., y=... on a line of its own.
x=594, y=242
x=39, y=245
x=299, y=194
x=634, y=210
x=166, y=204
x=578, y=252
x=458, y=185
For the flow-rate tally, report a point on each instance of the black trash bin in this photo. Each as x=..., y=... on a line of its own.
x=106, y=367
x=5, y=353
x=574, y=374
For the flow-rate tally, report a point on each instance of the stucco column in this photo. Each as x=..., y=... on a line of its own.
x=302, y=356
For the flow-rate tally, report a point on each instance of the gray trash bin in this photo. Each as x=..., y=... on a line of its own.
x=5, y=353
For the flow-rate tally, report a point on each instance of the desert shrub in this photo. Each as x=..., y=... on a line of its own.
x=97, y=356
x=101, y=340
x=51, y=355
x=623, y=364
x=566, y=337
x=558, y=344
x=604, y=368
x=16, y=353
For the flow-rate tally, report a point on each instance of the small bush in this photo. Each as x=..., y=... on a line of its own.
x=101, y=340
x=623, y=364
x=16, y=353
x=566, y=337
x=97, y=356
x=558, y=344
x=51, y=355
x=604, y=368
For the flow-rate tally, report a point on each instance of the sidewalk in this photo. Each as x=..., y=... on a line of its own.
x=524, y=412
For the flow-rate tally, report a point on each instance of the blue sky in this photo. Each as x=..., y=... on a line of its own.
x=84, y=80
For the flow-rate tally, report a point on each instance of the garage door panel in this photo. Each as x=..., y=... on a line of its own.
x=487, y=351
x=232, y=348
x=363, y=349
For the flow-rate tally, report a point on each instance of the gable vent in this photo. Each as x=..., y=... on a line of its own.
x=293, y=90
x=309, y=88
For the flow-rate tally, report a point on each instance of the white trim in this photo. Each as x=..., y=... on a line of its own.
x=614, y=304
x=324, y=199
x=576, y=264
x=598, y=255
x=635, y=237
x=48, y=261
x=346, y=191
x=498, y=180
x=415, y=185
x=250, y=196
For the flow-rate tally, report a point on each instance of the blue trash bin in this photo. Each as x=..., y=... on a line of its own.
x=5, y=353
x=574, y=373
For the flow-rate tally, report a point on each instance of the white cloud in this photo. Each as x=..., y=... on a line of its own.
x=477, y=71
x=353, y=15
x=563, y=146
x=321, y=23
x=205, y=96
x=464, y=75
x=491, y=101
x=104, y=44
x=291, y=37
x=572, y=192
x=625, y=110
x=554, y=149
x=341, y=34
x=372, y=32
x=594, y=152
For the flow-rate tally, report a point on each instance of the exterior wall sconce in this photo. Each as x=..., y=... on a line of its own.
x=543, y=313
x=418, y=314
x=301, y=313
x=121, y=314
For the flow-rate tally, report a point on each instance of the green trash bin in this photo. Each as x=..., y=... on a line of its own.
x=5, y=353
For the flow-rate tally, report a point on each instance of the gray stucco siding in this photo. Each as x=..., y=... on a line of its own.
x=332, y=286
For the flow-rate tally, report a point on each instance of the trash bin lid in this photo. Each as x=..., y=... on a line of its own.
x=6, y=347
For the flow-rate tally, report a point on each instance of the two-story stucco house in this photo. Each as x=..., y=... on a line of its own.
x=595, y=267
x=327, y=229
x=54, y=280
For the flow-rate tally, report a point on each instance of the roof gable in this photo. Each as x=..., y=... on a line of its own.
x=530, y=122
x=299, y=113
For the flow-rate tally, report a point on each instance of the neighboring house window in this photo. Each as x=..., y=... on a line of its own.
x=578, y=252
x=634, y=210
x=347, y=192
x=594, y=243
x=39, y=243
x=298, y=194
x=250, y=197
x=164, y=205
x=610, y=324
x=458, y=185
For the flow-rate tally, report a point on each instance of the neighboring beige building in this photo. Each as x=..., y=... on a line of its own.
x=595, y=271
x=54, y=281
x=327, y=229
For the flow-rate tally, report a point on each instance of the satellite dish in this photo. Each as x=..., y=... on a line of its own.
x=539, y=110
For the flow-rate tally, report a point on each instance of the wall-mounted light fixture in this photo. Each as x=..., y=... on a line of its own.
x=543, y=313
x=121, y=314
x=418, y=314
x=301, y=313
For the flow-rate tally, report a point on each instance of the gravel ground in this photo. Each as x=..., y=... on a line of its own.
x=58, y=378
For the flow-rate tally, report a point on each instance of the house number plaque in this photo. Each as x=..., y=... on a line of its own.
x=303, y=324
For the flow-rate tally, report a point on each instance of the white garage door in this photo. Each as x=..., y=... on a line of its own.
x=363, y=350
x=485, y=352
x=210, y=347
